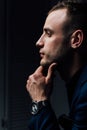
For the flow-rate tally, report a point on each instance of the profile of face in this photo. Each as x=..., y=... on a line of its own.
x=51, y=43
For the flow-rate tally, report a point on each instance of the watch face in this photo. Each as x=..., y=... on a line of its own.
x=34, y=108
x=37, y=106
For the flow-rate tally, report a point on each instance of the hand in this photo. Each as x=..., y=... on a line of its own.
x=40, y=86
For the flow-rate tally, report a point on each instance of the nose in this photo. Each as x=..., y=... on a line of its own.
x=40, y=41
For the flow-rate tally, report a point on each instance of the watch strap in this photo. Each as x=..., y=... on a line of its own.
x=37, y=106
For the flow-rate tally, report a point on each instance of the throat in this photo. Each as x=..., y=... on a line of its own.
x=68, y=70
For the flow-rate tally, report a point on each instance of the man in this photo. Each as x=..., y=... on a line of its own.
x=62, y=47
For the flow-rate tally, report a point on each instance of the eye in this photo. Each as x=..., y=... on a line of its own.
x=48, y=33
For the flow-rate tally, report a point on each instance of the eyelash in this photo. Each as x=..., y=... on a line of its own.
x=48, y=33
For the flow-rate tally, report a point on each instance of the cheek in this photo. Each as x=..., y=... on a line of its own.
x=52, y=51
x=51, y=46
x=54, y=48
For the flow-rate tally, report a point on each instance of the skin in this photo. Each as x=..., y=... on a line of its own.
x=52, y=38
x=38, y=85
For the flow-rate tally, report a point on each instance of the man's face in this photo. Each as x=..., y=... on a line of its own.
x=51, y=43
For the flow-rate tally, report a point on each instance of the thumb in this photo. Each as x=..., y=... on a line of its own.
x=50, y=71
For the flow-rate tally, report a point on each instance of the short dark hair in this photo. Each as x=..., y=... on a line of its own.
x=76, y=12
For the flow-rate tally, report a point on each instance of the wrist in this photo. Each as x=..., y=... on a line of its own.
x=39, y=99
x=37, y=106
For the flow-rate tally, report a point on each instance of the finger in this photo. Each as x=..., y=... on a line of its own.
x=50, y=71
x=39, y=69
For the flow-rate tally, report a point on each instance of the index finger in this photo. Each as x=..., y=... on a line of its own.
x=39, y=69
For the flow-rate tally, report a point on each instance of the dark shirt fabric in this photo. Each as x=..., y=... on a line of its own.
x=71, y=85
x=78, y=104
x=77, y=98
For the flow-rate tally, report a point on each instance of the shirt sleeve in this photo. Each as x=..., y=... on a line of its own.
x=44, y=120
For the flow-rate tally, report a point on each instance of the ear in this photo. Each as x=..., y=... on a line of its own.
x=77, y=39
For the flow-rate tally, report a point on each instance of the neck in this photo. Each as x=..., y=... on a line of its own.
x=70, y=67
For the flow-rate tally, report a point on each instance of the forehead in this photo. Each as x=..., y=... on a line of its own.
x=56, y=18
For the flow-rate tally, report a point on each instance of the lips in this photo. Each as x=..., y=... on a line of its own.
x=41, y=54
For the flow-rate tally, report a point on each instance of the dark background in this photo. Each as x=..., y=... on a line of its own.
x=21, y=24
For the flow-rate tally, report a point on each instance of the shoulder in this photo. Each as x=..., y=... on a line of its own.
x=81, y=88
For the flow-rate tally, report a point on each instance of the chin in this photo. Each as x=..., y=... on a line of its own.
x=45, y=64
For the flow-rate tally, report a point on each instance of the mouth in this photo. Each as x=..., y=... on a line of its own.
x=41, y=54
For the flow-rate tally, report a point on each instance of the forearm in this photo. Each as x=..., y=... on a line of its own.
x=39, y=87
x=45, y=119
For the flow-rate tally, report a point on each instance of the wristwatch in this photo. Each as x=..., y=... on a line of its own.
x=37, y=106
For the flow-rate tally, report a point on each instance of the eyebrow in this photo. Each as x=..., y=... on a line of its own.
x=48, y=29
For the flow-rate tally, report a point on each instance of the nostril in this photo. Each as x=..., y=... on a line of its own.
x=39, y=43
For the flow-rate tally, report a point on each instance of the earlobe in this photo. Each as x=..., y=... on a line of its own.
x=76, y=39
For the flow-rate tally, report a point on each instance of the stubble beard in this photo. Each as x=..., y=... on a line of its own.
x=62, y=57
x=45, y=63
